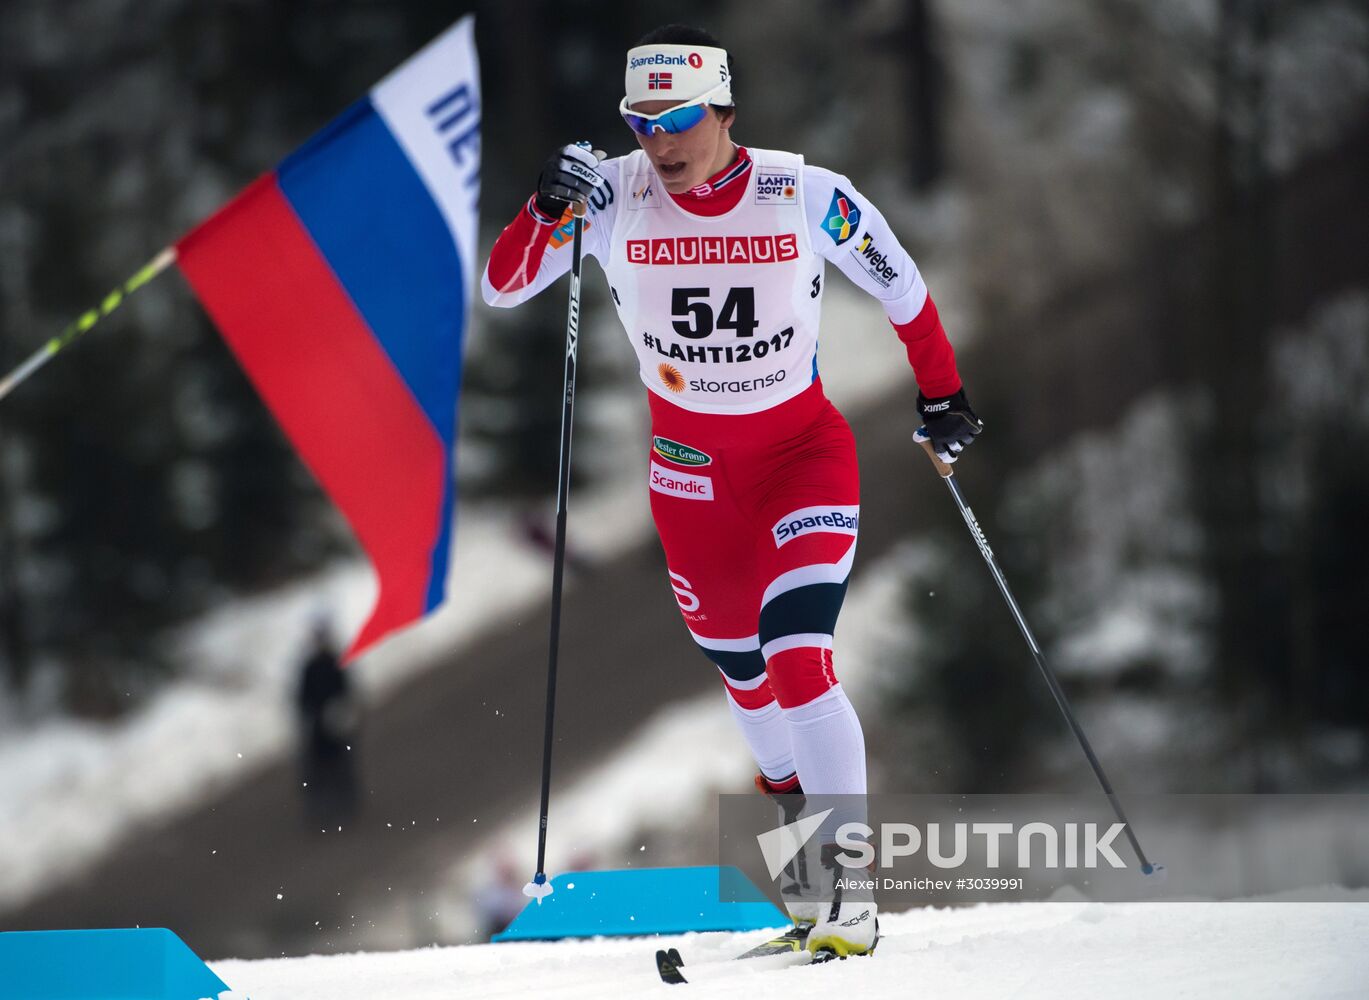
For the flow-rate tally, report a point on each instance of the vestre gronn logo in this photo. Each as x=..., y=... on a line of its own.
x=680, y=454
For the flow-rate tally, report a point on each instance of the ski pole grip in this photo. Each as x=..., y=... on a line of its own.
x=942, y=469
x=579, y=208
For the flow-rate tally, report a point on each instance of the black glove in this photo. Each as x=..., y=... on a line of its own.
x=570, y=174
x=950, y=423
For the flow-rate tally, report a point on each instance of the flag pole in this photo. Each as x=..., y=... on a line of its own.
x=86, y=320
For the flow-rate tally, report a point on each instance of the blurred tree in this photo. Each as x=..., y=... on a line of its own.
x=975, y=674
x=1177, y=187
x=15, y=654
x=1331, y=585
x=1226, y=452
x=925, y=82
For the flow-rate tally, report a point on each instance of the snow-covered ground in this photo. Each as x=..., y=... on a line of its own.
x=70, y=789
x=1208, y=951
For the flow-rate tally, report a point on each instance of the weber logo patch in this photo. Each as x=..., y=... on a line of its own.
x=874, y=260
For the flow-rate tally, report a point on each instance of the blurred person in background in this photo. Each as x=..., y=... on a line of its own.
x=537, y=530
x=500, y=899
x=714, y=255
x=329, y=721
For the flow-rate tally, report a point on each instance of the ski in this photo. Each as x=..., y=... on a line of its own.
x=668, y=966
x=791, y=942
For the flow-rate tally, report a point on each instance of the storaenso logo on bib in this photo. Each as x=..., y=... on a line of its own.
x=680, y=484
x=806, y=520
x=681, y=454
x=736, y=385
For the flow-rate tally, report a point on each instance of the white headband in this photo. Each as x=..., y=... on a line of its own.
x=679, y=73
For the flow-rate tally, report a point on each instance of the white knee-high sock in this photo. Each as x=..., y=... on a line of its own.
x=828, y=745
x=767, y=734
x=829, y=754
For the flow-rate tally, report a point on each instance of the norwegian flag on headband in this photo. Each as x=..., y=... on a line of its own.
x=658, y=81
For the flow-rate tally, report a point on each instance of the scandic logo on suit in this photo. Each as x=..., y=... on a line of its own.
x=771, y=249
x=680, y=484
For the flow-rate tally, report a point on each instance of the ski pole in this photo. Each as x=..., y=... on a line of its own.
x=86, y=320
x=948, y=477
x=539, y=888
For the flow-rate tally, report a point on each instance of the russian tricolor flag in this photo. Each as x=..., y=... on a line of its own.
x=342, y=281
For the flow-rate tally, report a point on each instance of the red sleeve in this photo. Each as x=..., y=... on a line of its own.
x=929, y=352
x=518, y=252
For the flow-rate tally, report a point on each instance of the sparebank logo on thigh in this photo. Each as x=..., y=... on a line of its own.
x=680, y=484
x=806, y=520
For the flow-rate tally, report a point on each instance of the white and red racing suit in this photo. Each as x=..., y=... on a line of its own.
x=752, y=471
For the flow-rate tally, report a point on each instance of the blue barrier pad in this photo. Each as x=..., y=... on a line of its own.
x=640, y=901
x=122, y=964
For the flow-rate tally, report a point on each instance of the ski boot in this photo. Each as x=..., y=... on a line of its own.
x=848, y=920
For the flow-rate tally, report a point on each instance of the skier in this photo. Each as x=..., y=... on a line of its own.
x=714, y=255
